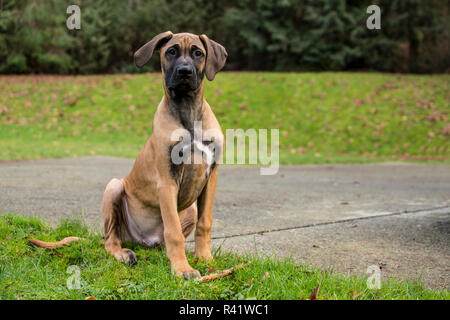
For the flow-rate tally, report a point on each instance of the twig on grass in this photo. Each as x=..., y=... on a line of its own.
x=53, y=245
x=214, y=276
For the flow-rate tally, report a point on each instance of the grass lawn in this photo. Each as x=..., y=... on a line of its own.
x=28, y=272
x=322, y=117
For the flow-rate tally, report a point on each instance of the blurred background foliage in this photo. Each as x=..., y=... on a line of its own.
x=275, y=35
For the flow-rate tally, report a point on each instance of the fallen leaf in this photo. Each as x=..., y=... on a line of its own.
x=345, y=203
x=90, y=298
x=315, y=293
x=358, y=102
x=446, y=130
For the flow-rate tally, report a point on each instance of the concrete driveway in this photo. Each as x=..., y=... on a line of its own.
x=341, y=217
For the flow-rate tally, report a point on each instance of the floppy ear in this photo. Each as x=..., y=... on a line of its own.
x=216, y=55
x=143, y=55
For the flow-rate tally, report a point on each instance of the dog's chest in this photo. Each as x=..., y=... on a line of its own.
x=193, y=173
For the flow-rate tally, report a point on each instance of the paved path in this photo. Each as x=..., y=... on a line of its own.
x=344, y=217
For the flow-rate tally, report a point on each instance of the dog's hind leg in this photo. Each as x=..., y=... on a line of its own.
x=114, y=224
x=188, y=219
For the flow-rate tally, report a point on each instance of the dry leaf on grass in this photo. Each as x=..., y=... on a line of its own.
x=314, y=295
x=355, y=294
x=315, y=292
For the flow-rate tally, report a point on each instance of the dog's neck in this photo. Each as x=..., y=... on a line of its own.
x=186, y=106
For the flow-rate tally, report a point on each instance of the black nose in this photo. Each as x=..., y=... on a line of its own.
x=184, y=70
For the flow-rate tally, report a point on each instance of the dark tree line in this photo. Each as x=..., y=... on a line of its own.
x=279, y=35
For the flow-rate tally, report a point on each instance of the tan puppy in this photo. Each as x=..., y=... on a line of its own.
x=157, y=202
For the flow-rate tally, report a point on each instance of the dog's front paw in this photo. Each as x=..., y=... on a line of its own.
x=191, y=274
x=187, y=273
x=126, y=256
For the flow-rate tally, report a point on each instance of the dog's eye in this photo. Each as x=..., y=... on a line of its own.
x=198, y=53
x=171, y=51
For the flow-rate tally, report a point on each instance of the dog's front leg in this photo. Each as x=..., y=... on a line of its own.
x=173, y=235
x=205, y=217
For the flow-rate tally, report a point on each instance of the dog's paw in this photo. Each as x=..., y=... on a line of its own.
x=191, y=274
x=126, y=256
x=187, y=273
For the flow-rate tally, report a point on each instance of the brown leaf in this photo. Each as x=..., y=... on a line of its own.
x=90, y=298
x=211, y=269
x=355, y=294
x=344, y=203
x=358, y=102
x=314, y=295
x=436, y=116
x=446, y=130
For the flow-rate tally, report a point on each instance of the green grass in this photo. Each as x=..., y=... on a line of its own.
x=322, y=117
x=28, y=272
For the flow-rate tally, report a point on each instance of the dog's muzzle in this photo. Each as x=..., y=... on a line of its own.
x=184, y=77
x=184, y=72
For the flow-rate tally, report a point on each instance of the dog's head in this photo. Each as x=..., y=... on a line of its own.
x=185, y=59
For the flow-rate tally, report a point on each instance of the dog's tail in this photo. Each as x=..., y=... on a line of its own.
x=53, y=245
